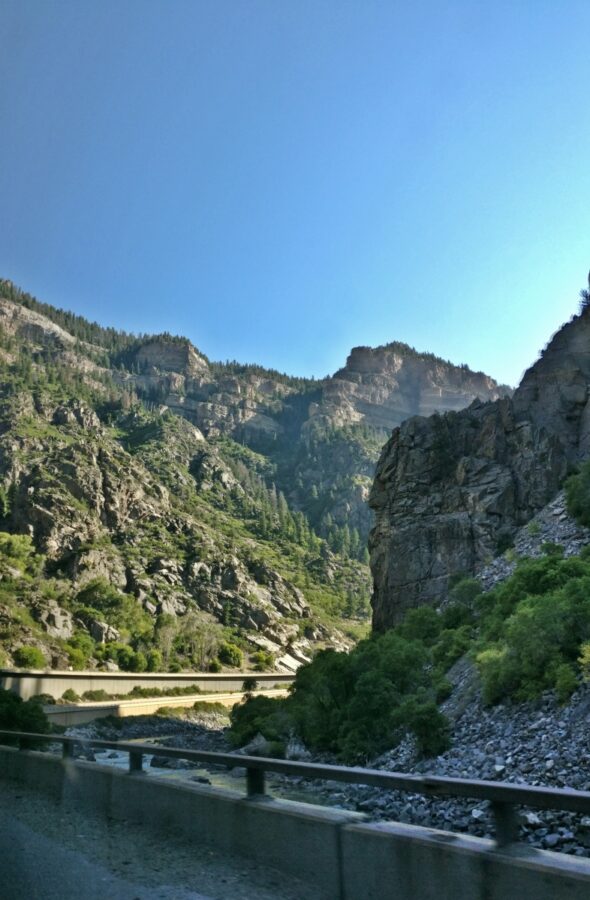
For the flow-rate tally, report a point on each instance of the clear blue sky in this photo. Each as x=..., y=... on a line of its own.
x=281, y=180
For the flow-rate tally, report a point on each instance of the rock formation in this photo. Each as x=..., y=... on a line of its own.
x=451, y=490
x=383, y=386
x=214, y=511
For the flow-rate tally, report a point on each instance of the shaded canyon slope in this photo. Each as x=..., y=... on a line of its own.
x=451, y=490
x=162, y=494
x=324, y=437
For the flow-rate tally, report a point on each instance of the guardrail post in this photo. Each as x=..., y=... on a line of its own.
x=135, y=761
x=67, y=750
x=255, y=782
x=506, y=823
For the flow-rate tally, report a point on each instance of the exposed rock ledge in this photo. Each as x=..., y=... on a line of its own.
x=450, y=491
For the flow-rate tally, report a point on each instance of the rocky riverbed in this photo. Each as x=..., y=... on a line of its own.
x=537, y=743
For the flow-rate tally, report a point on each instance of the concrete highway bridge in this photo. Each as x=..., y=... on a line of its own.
x=31, y=683
x=259, y=847
x=80, y=713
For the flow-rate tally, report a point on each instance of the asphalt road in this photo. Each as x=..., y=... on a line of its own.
x=50, y=853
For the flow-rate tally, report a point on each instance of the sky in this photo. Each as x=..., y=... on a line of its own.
x=282, y=180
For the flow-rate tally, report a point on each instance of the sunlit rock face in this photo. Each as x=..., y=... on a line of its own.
x=383, y=386
x=450, y=490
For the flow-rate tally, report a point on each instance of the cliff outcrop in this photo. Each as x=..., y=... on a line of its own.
x=450, y=491
x=383, y=386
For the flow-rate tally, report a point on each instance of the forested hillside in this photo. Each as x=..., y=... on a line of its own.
x=160, y=510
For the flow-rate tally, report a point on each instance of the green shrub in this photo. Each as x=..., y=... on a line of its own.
x=455, y=615
x=584, y=660
x=258, y=715
x=19, y=715
x=263, y=661
x=78, y=660
x=529, y=634
x=138, y=662
x=83, y=642
x=577, y=494
x=422, y=624
x=443, y=690
x=544, y=634
x=207, y=707
x=215, y=665
x=99, y=598
x=551, y=549
x=96, y=695
x=170, y=711
x=355, y=705
x=29, y=658
x=125, y=658
x=155, y=661
x=44, y=699
x=428, y=724
x=230, y=655
x=497, y=676
x=249, y=684
x=177, y=691
x=452, y=644
x=465, y=591
x=276, y=749
x=566, y=682
x=70, y=696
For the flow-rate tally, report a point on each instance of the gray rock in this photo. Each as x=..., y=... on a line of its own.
x=56, y=621
x=102, y=632
x=452, y=490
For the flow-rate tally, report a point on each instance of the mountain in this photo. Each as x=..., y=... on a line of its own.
x=323, y=437
x=451, y=490
x=155, y=502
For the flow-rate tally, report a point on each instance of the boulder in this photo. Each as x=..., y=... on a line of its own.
x=102, y=632
x=56, y=621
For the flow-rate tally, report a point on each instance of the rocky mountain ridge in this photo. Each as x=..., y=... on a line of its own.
x=303, y=428
x=300, y=425
x=224, y=495
x=451, y=491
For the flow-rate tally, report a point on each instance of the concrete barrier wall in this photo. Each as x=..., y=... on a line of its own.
x=87, y=712
x=54, y=683
x=405, y=862
x=339, y=852
x=296, y=838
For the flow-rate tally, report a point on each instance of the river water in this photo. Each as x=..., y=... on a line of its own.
x=235, y=780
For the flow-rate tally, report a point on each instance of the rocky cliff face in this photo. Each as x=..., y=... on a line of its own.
x=323, y=437
x=171, y=356
x=183, y=512
x=383, y=386
x=450, y=491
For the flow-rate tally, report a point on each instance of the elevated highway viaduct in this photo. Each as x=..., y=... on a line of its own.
x=54, y=682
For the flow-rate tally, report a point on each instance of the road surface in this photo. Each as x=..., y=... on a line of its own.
x=49, y=853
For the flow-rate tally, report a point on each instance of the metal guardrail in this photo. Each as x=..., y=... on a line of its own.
x=503, y=797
